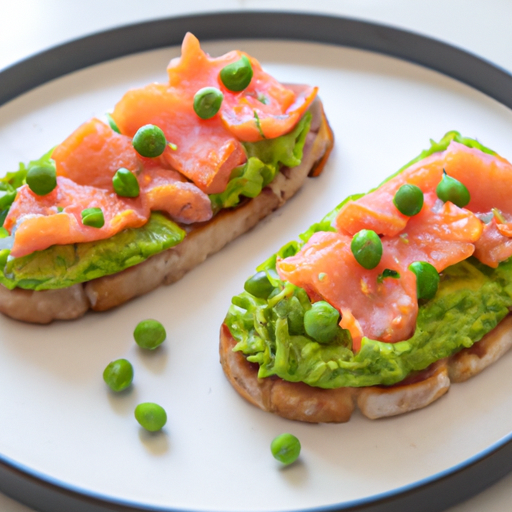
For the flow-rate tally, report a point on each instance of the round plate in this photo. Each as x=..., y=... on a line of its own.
x=66, y=443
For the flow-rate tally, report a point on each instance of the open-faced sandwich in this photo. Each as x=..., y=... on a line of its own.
x=392, y=296
x=180, y=169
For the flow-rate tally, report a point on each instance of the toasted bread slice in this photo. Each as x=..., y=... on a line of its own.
x=167, y=267
x=298, y=401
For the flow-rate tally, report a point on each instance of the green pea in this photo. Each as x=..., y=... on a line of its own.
x=149, y=334
x=238, y=75
x=450, y=189
x=41, y=179
x=285, y=448
x=151, y=416
x=259, y=285
x=427, y=279
x=125, y=183
x=409, y=200
x=112, y=123
x=321, y=321
x=207, y=102
x=118, y=375
x=367, y=248
x=93, y=217
x=149, y=141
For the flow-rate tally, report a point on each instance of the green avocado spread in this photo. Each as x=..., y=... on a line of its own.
x=264, y=159
x=61, y=266
x=472, y=299
x=65, y=265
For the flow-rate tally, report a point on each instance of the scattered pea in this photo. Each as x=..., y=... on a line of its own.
x=450, y=189
x=149, y=141
x=321, y=321
x=259, y=285
x=285, y=448
x=125, y=183
x=427, y=279
x=118, y=375
x=149, y=334
x=409, y=199
x=151, y=416
x=93, y=217
x=367, y=248
x=238, y=75
x=41, y=179
x=207, y=102
x=112, y=123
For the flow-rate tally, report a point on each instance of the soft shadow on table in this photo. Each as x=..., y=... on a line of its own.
x=155, y=360
x=156, y=443
x=295, y=474
x=123, y=402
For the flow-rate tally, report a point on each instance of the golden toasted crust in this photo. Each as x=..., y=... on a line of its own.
x=380, y=402
x=167, y=267
x=45, y=306
x=291, y=400
x=298, y=401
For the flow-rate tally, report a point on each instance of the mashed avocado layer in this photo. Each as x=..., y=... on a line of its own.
x=65, y=265
x=472, y=299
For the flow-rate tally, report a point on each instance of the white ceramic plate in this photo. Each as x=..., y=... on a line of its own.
x=59, y=422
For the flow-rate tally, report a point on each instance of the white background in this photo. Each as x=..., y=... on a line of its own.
x=483, y=28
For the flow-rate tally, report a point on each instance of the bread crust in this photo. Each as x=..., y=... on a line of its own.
x=202, y=240
x=298, y=401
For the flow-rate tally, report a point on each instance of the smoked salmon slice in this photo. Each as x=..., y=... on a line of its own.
x=327, y=269
x=441, y=234
x=42, y=221
x=168, y=191
x=493, y=246
x=206, y=152
x=376, y=210
x=209, y=149
x=265, y=109
x=487, y=177
x=93, y=153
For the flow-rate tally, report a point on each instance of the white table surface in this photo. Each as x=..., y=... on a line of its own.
x=481, y=27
